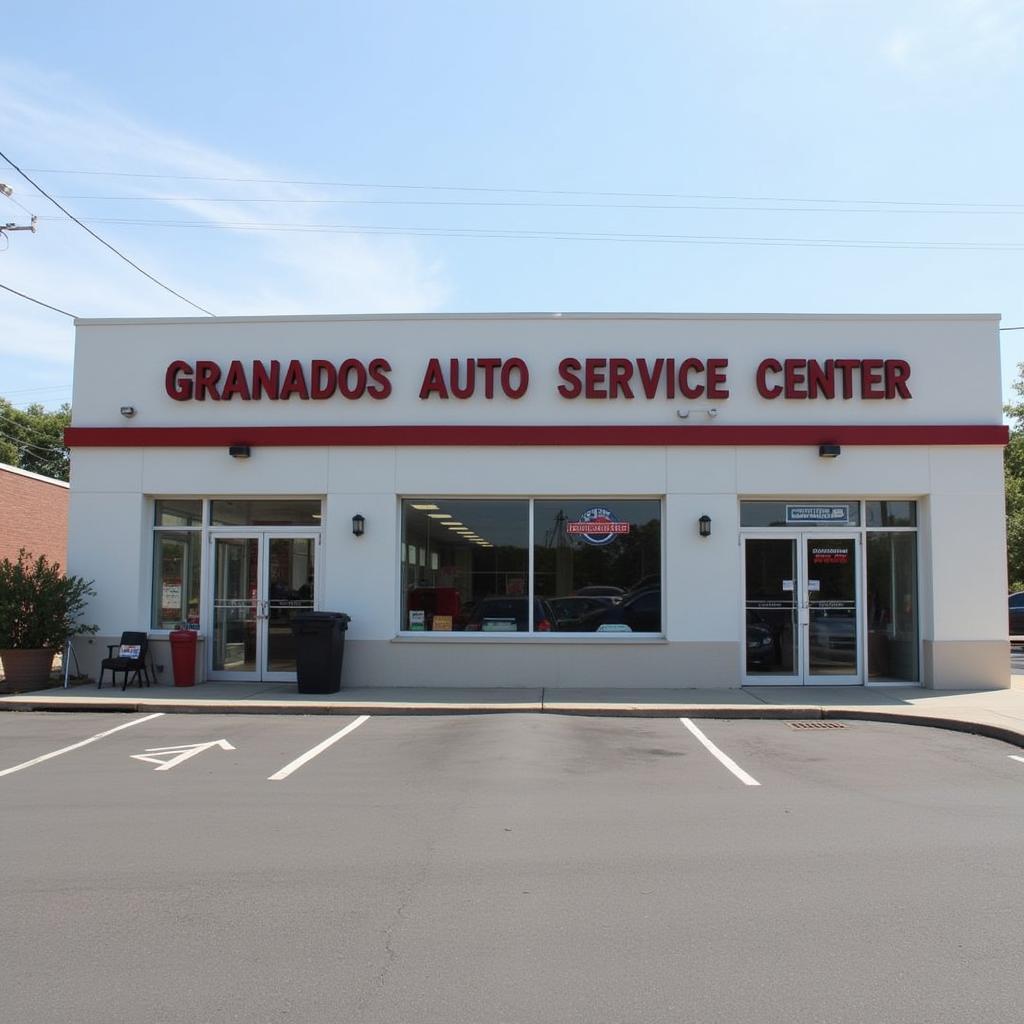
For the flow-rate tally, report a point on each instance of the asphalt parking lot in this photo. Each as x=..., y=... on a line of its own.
x=506, y=868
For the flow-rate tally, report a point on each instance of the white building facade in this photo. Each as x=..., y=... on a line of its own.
x=546, y=499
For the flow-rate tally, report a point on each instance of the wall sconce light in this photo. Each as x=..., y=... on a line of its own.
x=127, y=411
x=829, y=451
x=704, y=526
x=239, y=451
x=358, y=525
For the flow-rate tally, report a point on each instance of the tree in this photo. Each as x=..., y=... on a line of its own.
x=1013, y=471
x=33, y=439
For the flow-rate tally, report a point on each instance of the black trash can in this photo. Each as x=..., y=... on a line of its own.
x=319, y=650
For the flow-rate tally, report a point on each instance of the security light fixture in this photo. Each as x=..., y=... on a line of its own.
x=127, y=411
x=239, y=451
x=358, y=525
x=704, y=526
x=829, y=451
x=6, y=190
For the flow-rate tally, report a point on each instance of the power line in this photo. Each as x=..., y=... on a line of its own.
x=545, y=205
x=26, y=391
x=38, y=302
x=35, y=432
x=28, y=444
x=576, y=236
x=22, y=206
x=102, y=241
x=522, y=191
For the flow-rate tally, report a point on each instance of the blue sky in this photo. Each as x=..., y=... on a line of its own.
x=857, y=122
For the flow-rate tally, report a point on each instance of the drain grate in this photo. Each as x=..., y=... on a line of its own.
x=816, y=725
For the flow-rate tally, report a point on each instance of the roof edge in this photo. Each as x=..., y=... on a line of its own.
x=362, y=317
x=4, y=468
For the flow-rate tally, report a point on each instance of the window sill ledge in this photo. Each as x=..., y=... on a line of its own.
x=555, y=639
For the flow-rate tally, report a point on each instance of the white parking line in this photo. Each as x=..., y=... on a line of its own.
x=318, y=749
x=747, y=780
x=81, y=743
x=1015, y=757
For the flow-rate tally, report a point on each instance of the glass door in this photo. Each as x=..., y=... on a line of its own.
x=771, y=610
x=236, y=603
x=802, y=609
x=831, y=610
x=290, y=589
x=260, y=582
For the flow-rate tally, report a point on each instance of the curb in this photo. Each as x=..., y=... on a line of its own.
x=766, y=712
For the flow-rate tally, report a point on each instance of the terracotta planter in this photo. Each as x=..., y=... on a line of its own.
x=26, y=669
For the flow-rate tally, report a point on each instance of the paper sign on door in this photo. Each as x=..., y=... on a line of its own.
x=787, y=585
x=813, y=585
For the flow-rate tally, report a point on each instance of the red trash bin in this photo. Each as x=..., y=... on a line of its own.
x=183, y=657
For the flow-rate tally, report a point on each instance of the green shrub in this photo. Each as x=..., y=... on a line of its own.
x=39, y=604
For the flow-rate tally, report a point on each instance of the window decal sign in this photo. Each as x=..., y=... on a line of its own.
x=830, y=555
x=838, y=514
x=597, y=526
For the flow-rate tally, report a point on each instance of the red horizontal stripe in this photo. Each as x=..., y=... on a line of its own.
x=565, y=436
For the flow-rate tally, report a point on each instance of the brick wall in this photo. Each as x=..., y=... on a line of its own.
x=33, y=515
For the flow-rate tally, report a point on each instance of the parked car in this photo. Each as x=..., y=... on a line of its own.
x=833, y=639
x=762, y=650
x=1016, y=604
x=638, y=612
x=569, y=611
x=510, y=615
x=613, y=594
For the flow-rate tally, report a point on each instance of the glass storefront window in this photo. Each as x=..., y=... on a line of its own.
x=277, y=512
x=179, y=512
x=467, y=566
x=892, y=606
x=798, y=514
x=597, y=564
x=891, y=513
x=176, y=578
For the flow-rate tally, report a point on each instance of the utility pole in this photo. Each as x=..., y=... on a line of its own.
x=6, y=190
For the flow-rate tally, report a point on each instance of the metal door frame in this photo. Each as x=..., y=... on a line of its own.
x=263, y=535
x=802, y=676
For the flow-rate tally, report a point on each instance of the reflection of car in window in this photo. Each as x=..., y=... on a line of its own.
x=510, y=615
x=568, y=611
x=761, y=647
x=638, y=612
x=613, y=594
x=833, y=634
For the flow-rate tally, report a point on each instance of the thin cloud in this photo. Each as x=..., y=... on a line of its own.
x=51, y=120
x=958, y=35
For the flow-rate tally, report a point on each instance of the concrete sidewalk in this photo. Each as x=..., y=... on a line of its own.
x=995, y=713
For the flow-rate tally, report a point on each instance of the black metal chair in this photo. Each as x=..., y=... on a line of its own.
x=130, y=659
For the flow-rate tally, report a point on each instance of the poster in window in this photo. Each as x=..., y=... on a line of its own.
x=170, y=597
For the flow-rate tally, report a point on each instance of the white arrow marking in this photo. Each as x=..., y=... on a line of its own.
x=168, y=757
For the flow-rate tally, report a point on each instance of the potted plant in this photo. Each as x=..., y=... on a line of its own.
x=39, y=611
